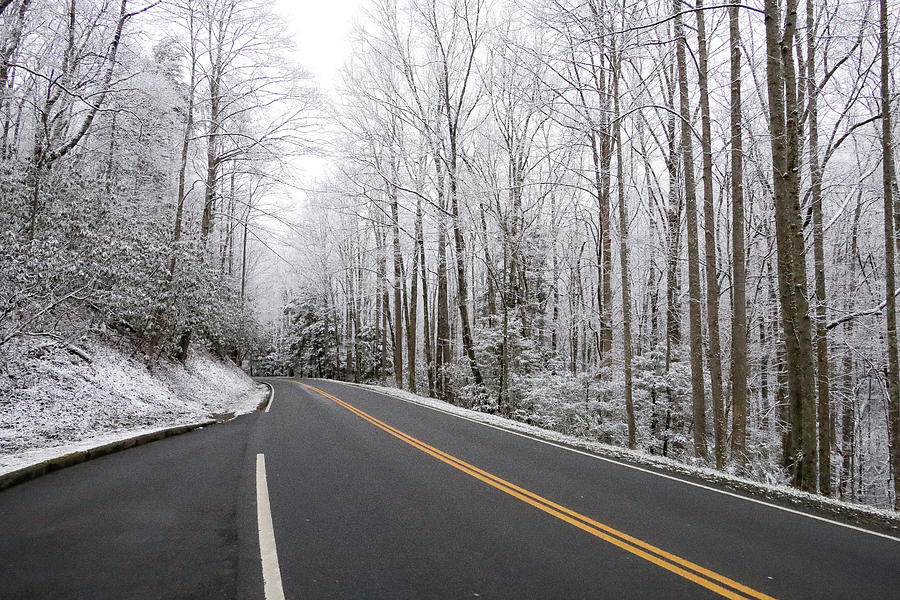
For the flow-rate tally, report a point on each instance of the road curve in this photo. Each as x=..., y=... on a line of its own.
x=371, y=497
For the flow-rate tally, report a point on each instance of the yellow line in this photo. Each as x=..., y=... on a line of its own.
x=671, y=562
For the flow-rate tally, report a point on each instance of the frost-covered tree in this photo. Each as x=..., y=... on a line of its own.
x=643, y=243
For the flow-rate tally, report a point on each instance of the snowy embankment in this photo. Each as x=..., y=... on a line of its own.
x=884, y=520
x=56, y=399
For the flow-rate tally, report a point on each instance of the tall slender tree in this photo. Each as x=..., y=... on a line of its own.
x=714, y=345
x=887, y=175
x=739, y=341
x=784, y=116
x=698, y=393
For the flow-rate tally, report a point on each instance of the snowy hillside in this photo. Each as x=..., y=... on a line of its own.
x=53, y=397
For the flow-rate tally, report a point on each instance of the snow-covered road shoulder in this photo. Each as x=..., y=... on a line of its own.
x=55, y=402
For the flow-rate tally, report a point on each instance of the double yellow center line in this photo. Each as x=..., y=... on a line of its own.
x=684, y=568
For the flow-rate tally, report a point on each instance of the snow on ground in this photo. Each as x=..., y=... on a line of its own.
x=857, y=512
x=53, y=401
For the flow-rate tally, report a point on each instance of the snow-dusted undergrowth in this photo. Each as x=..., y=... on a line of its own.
x=53, y=401
x=854, y=512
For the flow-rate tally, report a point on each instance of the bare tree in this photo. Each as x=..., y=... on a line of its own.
x=887, y=174
x=738, y=256
x=781, y=84
x=690, y=192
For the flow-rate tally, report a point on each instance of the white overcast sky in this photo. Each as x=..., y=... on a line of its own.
x=321, y=32
x=321, y=29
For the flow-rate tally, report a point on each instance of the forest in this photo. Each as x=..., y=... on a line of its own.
x=668, y=226
x=137, y=141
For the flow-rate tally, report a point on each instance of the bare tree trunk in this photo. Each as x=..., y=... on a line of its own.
x=887, y=163
x=212, y=158
x=673, y=235
x=429, y=361
x=821, y=316
x=381, y=314
x=784, y=125
x=246, y=225
x=623, y=263
x=491, y=293
x=226, y=238
x=442, y=358
x=515, y=296
x=358, y=306
x=461, y=281
x=413, y=303
x=606, y=330
x=714, y=350
x=694, y=292
x=739, y=279
x=185, y=148
x=602, y=159
x=399, y=286
x=848, y=402
x=349, y=304
x=554, y=332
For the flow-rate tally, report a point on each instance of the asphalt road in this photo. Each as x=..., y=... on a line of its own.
x=346, y=493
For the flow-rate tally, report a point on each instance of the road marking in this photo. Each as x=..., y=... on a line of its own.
x=631, y=466
x=271, y=396
x=711, y=580
x=270, y=568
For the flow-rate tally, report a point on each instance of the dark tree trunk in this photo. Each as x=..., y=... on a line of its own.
x=792, y=284
x=714, y=350
x=698, y=393
x=821, y=313
x=739, y=344
x=887, y=163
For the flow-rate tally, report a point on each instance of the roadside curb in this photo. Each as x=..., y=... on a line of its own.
x=73, y=458
x=265, y=404
x=34, y=471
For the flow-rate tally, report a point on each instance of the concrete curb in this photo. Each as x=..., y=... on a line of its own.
x=264, y=406
x=73, y=458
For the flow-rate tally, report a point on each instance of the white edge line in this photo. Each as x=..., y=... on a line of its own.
x=629, y=466
x=271, y=396
x=267, y=551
